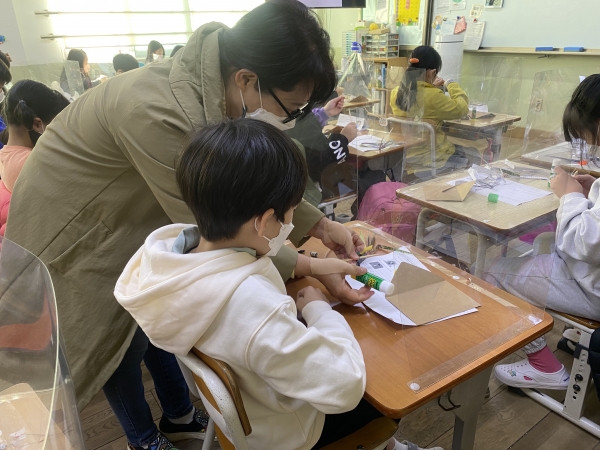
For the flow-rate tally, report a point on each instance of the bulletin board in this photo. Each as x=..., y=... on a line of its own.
x=537, y=23
x=408, y=10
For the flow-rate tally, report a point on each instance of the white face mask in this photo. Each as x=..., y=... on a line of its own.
x=266, y=116
x=157, y=58
x=277, y=242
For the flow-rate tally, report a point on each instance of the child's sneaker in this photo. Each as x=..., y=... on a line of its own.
x=523, y=375
x=405, y=445
x=159, y=443
x=196, y=429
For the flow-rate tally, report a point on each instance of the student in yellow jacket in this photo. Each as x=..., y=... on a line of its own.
x=420, y=96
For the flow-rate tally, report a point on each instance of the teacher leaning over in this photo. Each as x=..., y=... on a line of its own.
x=101, y=178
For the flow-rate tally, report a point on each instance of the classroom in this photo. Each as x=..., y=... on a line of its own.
x=299, y=225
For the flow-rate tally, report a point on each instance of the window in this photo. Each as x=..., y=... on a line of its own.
x=106, y=28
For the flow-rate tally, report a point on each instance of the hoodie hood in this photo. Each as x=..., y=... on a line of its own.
x=175, y=297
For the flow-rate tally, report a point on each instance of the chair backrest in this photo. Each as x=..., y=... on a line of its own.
x=221, y=397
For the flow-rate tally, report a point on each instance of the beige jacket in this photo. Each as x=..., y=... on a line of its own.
x=102, y=179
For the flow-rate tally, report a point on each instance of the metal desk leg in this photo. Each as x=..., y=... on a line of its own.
x=483, y=243
x=497, y=143
x=470, y=395
x=424, y=216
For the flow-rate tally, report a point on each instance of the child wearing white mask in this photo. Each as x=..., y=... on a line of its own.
x=211, y=286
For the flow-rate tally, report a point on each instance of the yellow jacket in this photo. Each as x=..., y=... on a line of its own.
x=437, y=107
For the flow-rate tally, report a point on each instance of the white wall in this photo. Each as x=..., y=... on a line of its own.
x=22, y=29
x=336, y=21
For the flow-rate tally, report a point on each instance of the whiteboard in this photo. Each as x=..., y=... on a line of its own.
x=538, y=23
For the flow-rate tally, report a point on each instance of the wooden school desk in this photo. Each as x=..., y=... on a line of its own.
x=389, y=358
x=493, y=128
x=491, y=222
x=544, y=157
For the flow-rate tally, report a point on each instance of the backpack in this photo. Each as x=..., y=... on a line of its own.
x=381, y=208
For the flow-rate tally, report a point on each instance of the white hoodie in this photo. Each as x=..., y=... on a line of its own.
x=578, y=238
x=233, y=306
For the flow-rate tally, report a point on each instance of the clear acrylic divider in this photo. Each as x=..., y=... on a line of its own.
x=38, y=409
x=64, y=77
x=544, y=139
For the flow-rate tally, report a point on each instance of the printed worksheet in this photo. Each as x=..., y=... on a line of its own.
x=509, y=191
x=345, y=119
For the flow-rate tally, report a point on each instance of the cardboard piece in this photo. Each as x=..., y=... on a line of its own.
x=425, y=297
x=355, y=100
x=446, y=192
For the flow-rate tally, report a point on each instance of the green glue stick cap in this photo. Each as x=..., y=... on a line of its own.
x=493, y=198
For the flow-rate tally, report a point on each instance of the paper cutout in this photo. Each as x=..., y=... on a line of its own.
x=426, y=297
x=461, y=25
x=476, y=11
x=441, y=191
x=345, y=119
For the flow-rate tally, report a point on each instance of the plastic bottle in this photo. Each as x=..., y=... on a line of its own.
x=376, y=283
x=555, y=163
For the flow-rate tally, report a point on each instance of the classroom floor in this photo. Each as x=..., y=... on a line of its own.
x=506, y=421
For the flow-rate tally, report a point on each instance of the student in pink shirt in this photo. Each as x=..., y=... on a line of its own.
x=29, y=107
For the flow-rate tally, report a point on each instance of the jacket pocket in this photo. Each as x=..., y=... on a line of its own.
x=81, y=249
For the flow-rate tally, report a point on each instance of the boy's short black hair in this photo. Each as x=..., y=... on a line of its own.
x=581, y=119
x=237, y=170
x=125, y=62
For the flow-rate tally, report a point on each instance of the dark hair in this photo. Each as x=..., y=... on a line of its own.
x=423, y=58
x=76, y=54
x=125, y=62
x=29, y=99
x=154, y=46
x=175, y=50
x=5, y=75
x=237, y=170
x=581, y=119
x=283, y=42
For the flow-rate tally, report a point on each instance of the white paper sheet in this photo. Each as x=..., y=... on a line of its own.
x=345, y=119
x=443, y=7
x=474, y=35
x=458, y=5
x=384, y=267
x=509, y=192
x=368, y=143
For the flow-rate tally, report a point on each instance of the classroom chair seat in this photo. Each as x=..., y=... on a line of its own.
x=572, y=407
x=212, y=381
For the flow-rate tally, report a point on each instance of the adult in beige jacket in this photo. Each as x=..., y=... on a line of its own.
x=101, y=178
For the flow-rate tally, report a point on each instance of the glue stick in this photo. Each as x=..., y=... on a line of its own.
x=376, y=283
x=555, y=163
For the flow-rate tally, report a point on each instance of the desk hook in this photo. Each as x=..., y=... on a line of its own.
x=453, y=407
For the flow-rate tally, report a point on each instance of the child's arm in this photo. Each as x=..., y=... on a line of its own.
x=448, y=108
x=320, y=363
x=578, y=231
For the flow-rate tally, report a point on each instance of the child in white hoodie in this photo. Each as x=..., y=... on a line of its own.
x=209, y=286
x=568, y=279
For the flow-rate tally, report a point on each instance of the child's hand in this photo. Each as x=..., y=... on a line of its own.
x=307, y=295
x=563, y=183
x=350, y=131
x=439, y=82
x=586, y=182
x=335, y=106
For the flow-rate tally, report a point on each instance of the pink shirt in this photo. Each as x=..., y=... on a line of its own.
x=12, y=158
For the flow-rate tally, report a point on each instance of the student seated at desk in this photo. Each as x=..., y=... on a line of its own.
x=568, y=278
x=420, y=95
x=211, y=286
x=29, y=108
x=124, y=62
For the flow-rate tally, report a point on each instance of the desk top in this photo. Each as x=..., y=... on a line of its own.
x=454, y=349
x=545, y=156
x=403, y=141
x=500, y=217
x=500, y=120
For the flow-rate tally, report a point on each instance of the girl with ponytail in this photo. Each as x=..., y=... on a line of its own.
x=28, y=108
x=420, y=96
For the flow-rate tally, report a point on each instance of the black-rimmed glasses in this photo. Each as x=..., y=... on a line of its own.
x=290, y=115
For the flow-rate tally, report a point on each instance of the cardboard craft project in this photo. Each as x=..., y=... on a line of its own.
x=446, y=192
x=425, y=297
